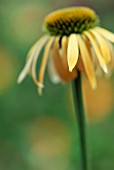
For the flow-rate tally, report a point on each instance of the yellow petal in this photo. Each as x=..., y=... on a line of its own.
x=103, y=46
x=34, y=62
x=36, y=47
x=111, y=65
x=52, y=71
x=58, y=62
x=44, y=62
x=25, y=70
x=64, y=43
x=73, y=51
x=105, y=33
x=97, y=51
x=87, y=62
x=80, y=65
x=42, y=40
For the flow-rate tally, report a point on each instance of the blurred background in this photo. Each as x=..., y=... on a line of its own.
x=40, y=133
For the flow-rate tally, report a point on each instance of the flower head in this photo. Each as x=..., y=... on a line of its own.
x=70, y=20
x=73, y=42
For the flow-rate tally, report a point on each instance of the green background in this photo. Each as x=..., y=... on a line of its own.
x=40, y=133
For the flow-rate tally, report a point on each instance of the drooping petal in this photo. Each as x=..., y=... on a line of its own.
x=87, y=62
x=97, y=51
x=105, y=33
x=80, y=65
x=73, y=51
x=64, y=47
x=89, y=47
x=52, y=72
x=35, y=49
x=103, y=46
x=26, y=69
x=34, y=62
x=64, y=43
x=58, y=62
x=44, y=62
x=111, y=65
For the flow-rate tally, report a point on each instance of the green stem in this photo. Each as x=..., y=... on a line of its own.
x=79, y=108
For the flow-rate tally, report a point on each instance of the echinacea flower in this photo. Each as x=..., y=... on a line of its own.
x=73, y=42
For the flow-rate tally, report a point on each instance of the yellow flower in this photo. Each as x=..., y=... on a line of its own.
x=73, y=42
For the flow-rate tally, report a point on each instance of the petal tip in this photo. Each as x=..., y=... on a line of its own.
x=40, y=87
x=106, y=70
x=70, y=69
x=40, y=91
x=20, y=79
x=95, y=86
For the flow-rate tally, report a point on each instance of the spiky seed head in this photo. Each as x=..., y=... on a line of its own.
x=70, y=20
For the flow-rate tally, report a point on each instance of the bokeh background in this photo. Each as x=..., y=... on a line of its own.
x=40, y=133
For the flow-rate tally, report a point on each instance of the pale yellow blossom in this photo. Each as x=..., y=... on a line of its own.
x=73, y=42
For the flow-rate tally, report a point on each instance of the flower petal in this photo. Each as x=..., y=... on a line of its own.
x=111, y=65
x=35, y=49
x=25, y=70
x=36, y=55
x=52, y=72
x=103, y=46
x=64, y=43
x=87, y=62
x=58, y=62
x=97, y=51
x=64, y=47
x=105, y=33
x=44, y=62
x=73, y=51
x=80, y=65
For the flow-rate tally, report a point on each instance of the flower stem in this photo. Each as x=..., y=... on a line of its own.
x=79, y=108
